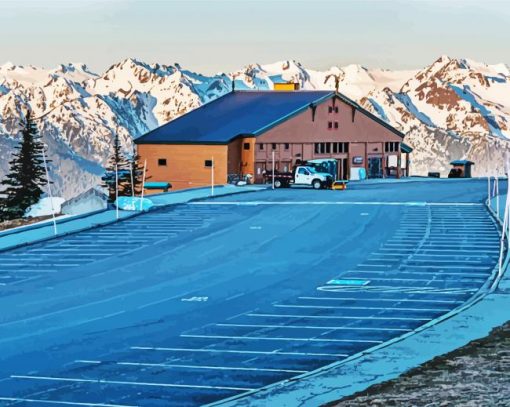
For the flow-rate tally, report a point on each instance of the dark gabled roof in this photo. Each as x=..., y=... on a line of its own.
x=235, y=114
x=242, y=113
x=462, y=162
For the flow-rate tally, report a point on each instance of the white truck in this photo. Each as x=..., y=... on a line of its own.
x=301, y=175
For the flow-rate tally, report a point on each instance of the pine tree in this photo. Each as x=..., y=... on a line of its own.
x=136, y=174
x=27, y=174
x=117, y=161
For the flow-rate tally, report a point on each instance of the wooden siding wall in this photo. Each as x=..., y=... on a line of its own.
x=185, y=166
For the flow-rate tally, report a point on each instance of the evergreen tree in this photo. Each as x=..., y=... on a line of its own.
x=27, y=174
x=116, y=161
x=136, y=174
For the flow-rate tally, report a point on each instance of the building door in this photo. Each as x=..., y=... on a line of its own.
x=374, y=167
x=259, y=172
x=342, y=168
x=286, y=166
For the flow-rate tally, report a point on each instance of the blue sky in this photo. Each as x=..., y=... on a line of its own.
x=223, y=35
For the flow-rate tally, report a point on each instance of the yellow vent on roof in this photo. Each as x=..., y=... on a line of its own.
x=286, y=86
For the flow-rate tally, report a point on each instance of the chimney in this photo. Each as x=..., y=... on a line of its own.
x=286, y=86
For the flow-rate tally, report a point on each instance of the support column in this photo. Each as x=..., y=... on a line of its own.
x=399, y=165
x=407, y=164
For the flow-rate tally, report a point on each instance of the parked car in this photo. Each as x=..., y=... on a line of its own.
x=301, y=175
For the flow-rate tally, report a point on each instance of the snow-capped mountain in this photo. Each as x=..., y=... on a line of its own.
x=453, y=108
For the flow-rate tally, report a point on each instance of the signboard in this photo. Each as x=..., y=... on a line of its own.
x=357, y=160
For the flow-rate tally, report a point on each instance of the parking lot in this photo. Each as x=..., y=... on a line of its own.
x=200, y=302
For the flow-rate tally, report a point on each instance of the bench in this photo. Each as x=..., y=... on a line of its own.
x=157, y=186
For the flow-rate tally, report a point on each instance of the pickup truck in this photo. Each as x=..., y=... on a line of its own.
x=301, y=175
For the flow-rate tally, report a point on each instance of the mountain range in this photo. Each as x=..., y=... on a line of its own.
x=450, y=109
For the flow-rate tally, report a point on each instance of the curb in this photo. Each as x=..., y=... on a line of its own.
x=128, y=215
x=489, y=287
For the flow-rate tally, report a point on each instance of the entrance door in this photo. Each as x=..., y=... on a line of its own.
x=259, y=170
x=375, y=167
x=342, y=169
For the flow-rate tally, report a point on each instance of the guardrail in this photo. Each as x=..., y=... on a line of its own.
x=503, y=218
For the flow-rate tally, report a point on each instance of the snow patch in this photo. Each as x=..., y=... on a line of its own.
x=44, y=207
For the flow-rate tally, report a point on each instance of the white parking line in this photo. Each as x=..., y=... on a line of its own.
x=445, y=239
x=427, y=254
x=433, y=278
x=389, y=203
x=121, y=382
x=406, y=260
x=336, y=317
x=67, y=403
x=375, y=265
x=324, y=328
x=421, y=273
x=171, y=366
x=380, y=299
x=452, y=245
x=426, y=249
x=28, y=270
x=359, y=308
x=265, y=338
x=247, y=352
x=470, y=267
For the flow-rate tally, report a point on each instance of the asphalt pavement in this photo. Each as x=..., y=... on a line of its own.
x=194, y=303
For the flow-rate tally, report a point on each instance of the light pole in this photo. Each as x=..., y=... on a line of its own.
x=272, y=170
x=212, y=176
x=49, y=192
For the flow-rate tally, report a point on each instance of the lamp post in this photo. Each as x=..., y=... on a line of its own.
x=212, y=176
x=49, y=192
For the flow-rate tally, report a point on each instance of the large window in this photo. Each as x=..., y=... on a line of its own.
x=246, y=146
x=391, y=146
x=328, y=148
x=340, y=148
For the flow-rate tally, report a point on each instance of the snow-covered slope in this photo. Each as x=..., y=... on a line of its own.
x=453, y=108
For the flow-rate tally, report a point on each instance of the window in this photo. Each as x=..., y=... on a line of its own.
x=162, y=162
x=273, y=146
x=391, y=147
x=330, y=125
x=340, y=148
x=336, y=109
x=261, y=146
x=287, y=146
x=336, y=125
x=330, y=109
x=208, y=163
x=303, y=171
x=246, y=146
x=322, y=148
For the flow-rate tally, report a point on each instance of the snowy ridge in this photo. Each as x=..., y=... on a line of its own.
x=453, y=108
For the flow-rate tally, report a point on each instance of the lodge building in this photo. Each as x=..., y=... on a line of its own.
x=242, y=131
